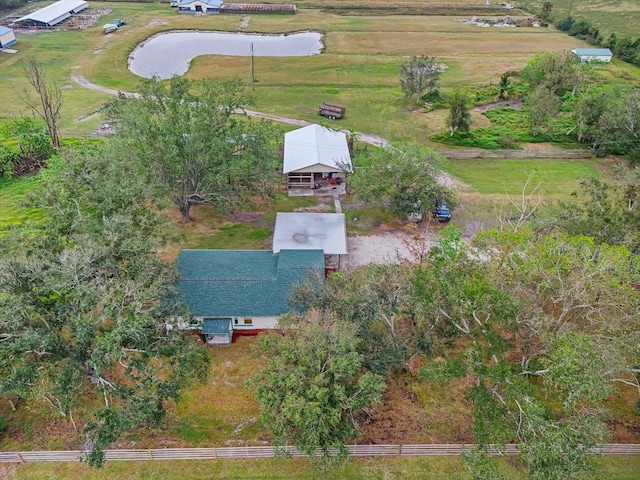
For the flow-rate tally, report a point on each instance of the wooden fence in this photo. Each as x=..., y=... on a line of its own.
x=270, y=452
x=559, y=153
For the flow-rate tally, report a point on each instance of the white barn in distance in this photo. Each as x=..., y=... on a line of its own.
x=53, y=14
x=7, y=37
x=593, y=54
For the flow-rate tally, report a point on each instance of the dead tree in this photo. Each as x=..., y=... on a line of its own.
x=49, y=103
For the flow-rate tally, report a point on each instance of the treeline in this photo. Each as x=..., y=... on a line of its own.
x=9, y=4
x=626, y=49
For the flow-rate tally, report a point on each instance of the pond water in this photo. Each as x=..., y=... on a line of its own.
x=170, y=54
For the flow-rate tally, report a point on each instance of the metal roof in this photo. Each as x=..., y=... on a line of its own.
x=53, y=12
x=237, y=283
x=593, y=52
x=213, y=3
x=315, y=145
x=4, y=30
x=304, y=231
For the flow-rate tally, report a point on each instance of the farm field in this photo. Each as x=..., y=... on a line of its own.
x=621, y=16
x=359, y=63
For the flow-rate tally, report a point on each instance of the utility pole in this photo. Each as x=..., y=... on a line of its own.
x=253, y=77
x=569, y=12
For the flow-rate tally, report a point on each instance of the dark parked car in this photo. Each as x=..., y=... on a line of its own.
x=442, y=212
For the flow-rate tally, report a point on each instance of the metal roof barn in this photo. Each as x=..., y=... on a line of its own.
x=7, y=37
x=316, y=149
x=310, y=231
x=53, y=14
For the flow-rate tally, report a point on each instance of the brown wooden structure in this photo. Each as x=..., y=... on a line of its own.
x=332, y=110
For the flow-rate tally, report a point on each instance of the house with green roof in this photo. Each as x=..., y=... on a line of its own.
x=242, y=291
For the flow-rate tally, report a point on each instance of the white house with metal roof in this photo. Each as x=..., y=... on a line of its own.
x=199, y=6
x=593, y=54
x=7, y=37
x=314, y=153
x=53, y=14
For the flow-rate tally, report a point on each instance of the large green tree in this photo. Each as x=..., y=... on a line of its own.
x=419, y=76
x=195, y=142
x=87, y=308
x=557, y=72
x=533, y=318
x=401, y=178
x=459, y=117
x=312, y=387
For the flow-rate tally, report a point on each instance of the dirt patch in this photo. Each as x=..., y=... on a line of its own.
x=387, y=248
x=156, y=22
x=515, y=104
x=407, y=416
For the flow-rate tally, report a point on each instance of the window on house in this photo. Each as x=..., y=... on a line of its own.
x=248, y=321
x=235, y=321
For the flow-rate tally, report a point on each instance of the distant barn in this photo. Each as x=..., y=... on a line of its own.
x=7, y=37
x=199, y=6
x=593, y=54
x=52, y=14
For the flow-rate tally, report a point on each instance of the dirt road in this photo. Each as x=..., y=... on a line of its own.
x=369, y=138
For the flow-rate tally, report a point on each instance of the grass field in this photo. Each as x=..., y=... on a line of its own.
x=620, y=16
x=12, y=210
x=441, y=468
x=358, y=67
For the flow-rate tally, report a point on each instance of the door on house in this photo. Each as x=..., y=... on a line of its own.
x=198, y=8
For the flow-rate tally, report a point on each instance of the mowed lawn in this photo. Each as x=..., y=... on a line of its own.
x=558, y=178
x=386, y=468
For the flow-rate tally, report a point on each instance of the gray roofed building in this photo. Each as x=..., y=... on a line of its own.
x=53, y=14
x=303, y=231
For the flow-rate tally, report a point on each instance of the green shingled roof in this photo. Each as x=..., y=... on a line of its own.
x=216, y=325
x=221, y=283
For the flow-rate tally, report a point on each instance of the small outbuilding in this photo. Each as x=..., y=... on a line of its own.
x=53, y=14
x=315, y=153
x=7, y=37
x=304, y=231
x=199, y=6
x=593, y=54
x=241, y=291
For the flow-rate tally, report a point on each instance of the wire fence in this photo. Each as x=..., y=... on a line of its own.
x=271, y=452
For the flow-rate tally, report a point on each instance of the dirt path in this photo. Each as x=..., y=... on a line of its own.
x=369, y=138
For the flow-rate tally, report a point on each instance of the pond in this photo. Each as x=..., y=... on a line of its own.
x=169, y=54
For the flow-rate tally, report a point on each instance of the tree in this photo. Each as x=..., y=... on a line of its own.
x=193, y=143
x=546, y=7
x=534, y=319
x=34, y=147
x=609, y=212
x=378, y=304
x=419, y=76
x=459, y=117
x=312, y=387
x=402, y=179
x=542, y=105
x=504, y=85
x=87, y=311
x=49, y=101
x=557, y=72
